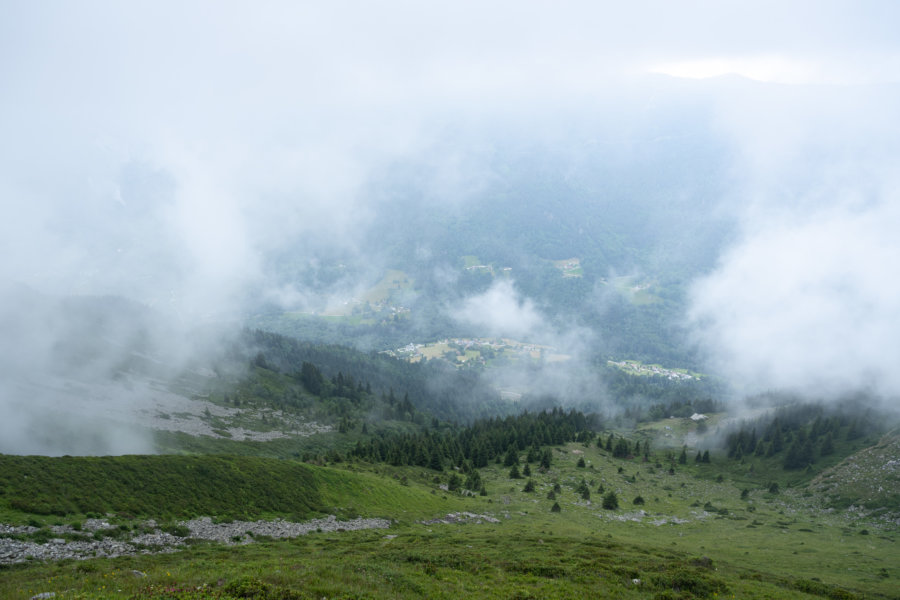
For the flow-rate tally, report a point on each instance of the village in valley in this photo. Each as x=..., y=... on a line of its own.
x=469, y=352
x=634, y=367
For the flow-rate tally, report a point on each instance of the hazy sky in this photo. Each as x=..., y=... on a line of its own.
x=160, y=149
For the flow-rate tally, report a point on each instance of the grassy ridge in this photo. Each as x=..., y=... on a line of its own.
x=186, y=486
x=158, y=485
x=869, y=478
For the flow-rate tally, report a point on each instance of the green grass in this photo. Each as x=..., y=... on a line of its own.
x=508, y=560
x=383, y=290
x=638, y=292
x=783, y=545
x=570, y=267
x=186, y=486
x=158, y=485
x=870, y=478
x=471, y=260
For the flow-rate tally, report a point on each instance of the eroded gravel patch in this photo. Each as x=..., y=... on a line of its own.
x=149, y=539
x=244, y=531
x=460, y=518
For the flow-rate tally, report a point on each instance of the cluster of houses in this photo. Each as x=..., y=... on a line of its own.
x=640, y=369
x=413, y=351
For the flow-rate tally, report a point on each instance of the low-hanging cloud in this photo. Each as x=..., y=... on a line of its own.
x=806, y=300
x=564, y=373
x=501, y=311
x=809, y=306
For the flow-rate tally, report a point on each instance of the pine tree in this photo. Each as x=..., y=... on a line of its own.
x=545, y=459
x=435, y=462
x=583, y=489
x=514, y=472
x=512, y=456
x=760, y=448
x=777, y=438
x=473, y=481
x=610, y=501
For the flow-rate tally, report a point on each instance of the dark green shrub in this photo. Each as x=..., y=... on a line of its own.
x=177, y=530
x=825, y=591
x=42, y=536
x=687, y=581
x=247, y=587
x=610, y=501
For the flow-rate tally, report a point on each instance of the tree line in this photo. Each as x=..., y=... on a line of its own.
x=799, y=435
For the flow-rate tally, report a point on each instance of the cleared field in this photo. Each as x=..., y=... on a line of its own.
x=637, y=291
x=381, y=293
x=570, y=267
x=392, y=281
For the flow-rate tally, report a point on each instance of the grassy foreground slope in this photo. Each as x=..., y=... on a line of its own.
x=693, y=536
x=162, y=486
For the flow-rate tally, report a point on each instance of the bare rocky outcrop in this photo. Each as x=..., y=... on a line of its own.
x=147, y=538
x=461, y=518
x=244, y=531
